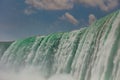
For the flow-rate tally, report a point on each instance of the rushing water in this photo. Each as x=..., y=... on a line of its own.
x=91, y=53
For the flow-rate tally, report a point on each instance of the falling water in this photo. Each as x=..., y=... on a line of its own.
x=91, y=53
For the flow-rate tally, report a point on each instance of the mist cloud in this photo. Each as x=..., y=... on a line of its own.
x=92, y=18
x=30, y=75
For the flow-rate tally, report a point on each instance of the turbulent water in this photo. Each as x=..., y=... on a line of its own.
x=91, y=53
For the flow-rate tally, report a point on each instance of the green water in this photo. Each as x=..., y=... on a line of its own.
x=91, y=53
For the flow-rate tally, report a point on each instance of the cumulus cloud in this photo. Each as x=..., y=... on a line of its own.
x=92, y=18
x=67, y=16
x=104, y=5
x=50, y=4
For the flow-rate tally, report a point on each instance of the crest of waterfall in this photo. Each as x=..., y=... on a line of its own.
x=91, y=53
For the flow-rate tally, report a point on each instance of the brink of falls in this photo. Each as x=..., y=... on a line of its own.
x=91, y=53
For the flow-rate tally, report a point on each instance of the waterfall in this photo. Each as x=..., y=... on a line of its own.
x=91, y=53
x=3, y=47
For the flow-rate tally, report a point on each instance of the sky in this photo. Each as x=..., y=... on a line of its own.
x=24, y=18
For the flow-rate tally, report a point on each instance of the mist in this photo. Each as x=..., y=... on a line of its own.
x=29, y=74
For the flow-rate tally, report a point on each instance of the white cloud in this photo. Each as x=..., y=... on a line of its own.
x=104, y=5
x=50, y=4
x=92, y=18
x=29, y=11
x=67, y=16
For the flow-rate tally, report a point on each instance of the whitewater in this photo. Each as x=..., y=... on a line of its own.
x=91, y=53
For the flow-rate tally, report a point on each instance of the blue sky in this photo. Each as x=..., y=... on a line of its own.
x=24, y=18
